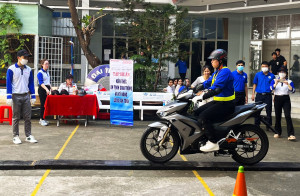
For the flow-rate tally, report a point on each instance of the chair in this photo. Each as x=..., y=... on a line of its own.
x=2, y=110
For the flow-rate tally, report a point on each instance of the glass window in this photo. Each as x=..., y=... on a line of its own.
x=120, y=48
x=294, y=73
x=222, y=45
x=197, y=28
x=187, y=28
x=222, y=28
x=208, y=48
x=269, y=27
x=196, y=60
x=120, y=28
x=107, y=51
x=257, y=26
x=255, y=59
x=210, y=28
x=283, y=27
x=295, y=32
x=108, y=25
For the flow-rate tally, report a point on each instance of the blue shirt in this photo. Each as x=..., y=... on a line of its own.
x=263, y=82
x=19, y=81
x=223, y=80
x=240, y=79
x=183, y=87
x=182, y=66
x=43, y=77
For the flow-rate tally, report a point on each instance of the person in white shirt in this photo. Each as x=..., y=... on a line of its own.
x=179, y=84
x=282, y=87
x=21, y=94
x=69, y=86
x=170, y=88
x=206, y=74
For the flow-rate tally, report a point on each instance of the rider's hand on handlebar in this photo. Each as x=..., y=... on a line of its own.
x=199, y=93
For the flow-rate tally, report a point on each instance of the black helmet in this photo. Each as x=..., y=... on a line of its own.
x=81, y=92
x=218, y=54
x=64, y=92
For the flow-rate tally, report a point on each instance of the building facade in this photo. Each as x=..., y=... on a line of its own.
x=249, y=30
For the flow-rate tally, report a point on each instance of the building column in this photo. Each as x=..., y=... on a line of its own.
x=36, y=59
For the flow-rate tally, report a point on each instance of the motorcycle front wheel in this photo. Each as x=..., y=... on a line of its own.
x=254, y=147
x=159, y=154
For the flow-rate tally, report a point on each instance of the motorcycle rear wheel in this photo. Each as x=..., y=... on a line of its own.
x=258, y=152
x=159, y=154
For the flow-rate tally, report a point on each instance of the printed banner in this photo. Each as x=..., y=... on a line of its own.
x=121, y=92
x=98, y=75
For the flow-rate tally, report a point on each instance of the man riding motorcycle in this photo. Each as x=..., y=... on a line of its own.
x=220, y=87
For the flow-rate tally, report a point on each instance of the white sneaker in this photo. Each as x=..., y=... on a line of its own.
x=209, y=146
x=31, y=139
x=43, y=123
x=16, y=140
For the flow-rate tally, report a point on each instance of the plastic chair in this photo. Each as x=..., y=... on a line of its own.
x=2, y=110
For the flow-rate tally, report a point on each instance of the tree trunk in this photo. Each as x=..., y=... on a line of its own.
x=92, y=59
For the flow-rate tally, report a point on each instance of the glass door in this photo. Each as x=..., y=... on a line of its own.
x=255, y=59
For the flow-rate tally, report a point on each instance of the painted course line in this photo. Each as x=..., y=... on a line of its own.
x=199, y=177
x=56, y=157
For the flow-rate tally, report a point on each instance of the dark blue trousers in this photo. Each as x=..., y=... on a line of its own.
x=267, y=99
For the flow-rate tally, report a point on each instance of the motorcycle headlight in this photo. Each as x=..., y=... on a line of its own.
x=162, y=114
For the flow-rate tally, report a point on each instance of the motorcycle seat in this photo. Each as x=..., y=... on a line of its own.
x=242, y=108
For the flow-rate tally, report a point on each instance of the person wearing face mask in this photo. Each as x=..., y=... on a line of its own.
x=240, y=83
x=44, y=88
x=19, y=87
x=282, y=87
x=261, y=85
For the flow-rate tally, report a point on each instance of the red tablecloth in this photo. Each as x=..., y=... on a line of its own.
x=71, y=105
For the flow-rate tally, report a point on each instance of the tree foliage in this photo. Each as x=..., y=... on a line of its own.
x=158, y=31
x=10, y=27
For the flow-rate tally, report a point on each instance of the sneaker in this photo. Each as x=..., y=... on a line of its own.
x=16, y=140
x=31, y=139
x=43, y=122
x=276, y=136
x=291, y=138
x=209, y=146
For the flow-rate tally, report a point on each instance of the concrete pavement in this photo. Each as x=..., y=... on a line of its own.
x=100, y=141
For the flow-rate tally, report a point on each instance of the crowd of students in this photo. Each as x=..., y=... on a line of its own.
x=272, y=79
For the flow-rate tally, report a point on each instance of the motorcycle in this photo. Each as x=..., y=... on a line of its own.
x=247, y=144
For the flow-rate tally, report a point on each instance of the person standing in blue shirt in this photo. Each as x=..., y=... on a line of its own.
x=240, y=84
x=44, y=88
x=261, y=85
x=19, y=87
x=220, y=87
x=182, y=67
